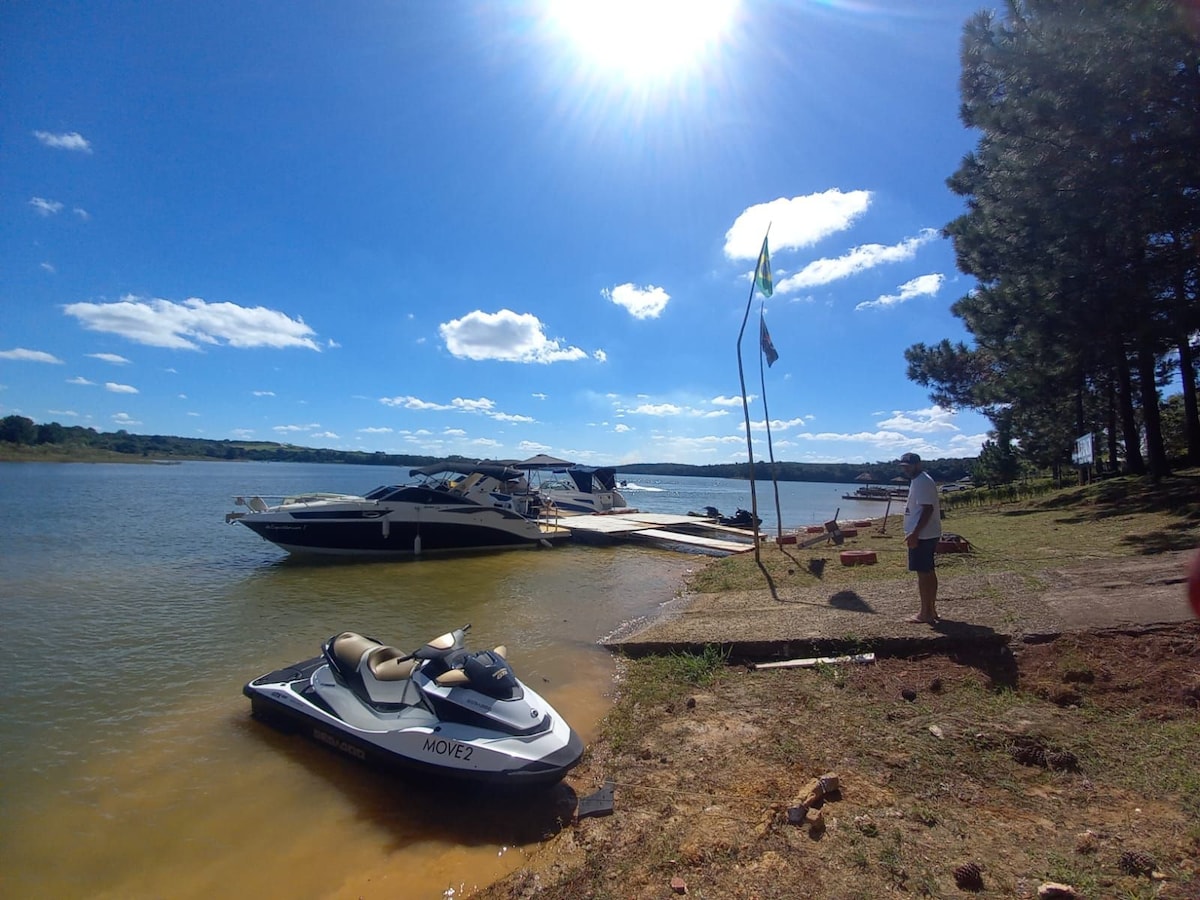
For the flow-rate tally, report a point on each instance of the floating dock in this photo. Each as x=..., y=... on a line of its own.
x=660, y=529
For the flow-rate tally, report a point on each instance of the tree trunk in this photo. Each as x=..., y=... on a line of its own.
x=1113, y=463
x=1151, y=418
x=1134, y=463
x=1187, y=373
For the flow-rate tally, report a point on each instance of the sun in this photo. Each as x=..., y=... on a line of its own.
x=642, y=40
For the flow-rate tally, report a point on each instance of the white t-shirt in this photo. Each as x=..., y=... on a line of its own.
x=922, y=491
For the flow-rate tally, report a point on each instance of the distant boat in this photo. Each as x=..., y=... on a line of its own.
x=450, y=507
x=869, y=492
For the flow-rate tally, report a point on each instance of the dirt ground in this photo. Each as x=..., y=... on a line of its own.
x=1075, y=760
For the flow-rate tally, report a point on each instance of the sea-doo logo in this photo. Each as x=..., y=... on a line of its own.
x=344, y=746
x=448, y=748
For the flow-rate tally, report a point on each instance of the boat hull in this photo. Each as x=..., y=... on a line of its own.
x=386, y=533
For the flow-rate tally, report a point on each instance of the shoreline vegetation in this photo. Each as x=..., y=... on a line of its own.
x=991, y=770
x=22, y=440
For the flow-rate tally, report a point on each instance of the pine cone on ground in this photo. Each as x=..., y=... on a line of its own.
x=969, y=877
x=1028, y=755
x=1063, y=760
x=1135, y=862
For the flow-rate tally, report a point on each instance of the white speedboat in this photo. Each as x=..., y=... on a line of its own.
x=449, y=507
x=563, y=487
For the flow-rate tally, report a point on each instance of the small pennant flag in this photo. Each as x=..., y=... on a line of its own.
x=768, y=348
x=762, y=274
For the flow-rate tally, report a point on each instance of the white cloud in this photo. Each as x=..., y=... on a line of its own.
x=658, y=409
x=921, y=286
x=120, y=388
x=81, y=213
x=72, y=140
x=599, y=356
x=621, y=428
x=289, y=428
x=728, y=401
x=922, y=421
x=20, y=353
x=263, y=393
x=867, y=256
x=110, y=358
x=641, y=302
x=483, y=404
x=69, y=413
x=454, y=432
x=79, y=379
x=162, y=323
x=538, y=396
x=49, y=268
x=373, y=430
x=242, y=432
x=124, y=419
x=325, y=434
x=795, y=223
x=509, y=417
x=45, y=207
x=506, y=336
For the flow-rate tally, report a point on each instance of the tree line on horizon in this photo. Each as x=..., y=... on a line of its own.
x=1082, y=231
x=20, y=431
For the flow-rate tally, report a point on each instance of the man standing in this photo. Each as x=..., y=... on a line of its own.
x=922, y=529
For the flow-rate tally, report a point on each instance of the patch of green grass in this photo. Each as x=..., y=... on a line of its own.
x=653, y=683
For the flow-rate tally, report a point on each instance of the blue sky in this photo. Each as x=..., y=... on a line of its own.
x=487, y=229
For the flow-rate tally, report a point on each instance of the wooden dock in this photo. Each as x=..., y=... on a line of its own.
x=660, y=529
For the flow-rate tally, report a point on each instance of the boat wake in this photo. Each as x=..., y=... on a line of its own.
x=629, y=486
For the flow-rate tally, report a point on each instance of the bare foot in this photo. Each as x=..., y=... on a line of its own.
x=921, y=620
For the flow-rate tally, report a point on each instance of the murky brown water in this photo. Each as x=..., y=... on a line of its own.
x=129, y=764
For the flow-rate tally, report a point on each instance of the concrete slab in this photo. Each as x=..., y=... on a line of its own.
x=807, y=619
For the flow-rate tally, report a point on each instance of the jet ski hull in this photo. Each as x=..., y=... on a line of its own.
x=421, y=745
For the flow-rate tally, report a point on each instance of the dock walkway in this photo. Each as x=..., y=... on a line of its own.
x=691, y=532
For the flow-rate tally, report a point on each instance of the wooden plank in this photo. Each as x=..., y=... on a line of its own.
x=695, y=540
x=604, y=524
x=815, y=661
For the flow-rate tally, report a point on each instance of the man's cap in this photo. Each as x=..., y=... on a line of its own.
x=910, y=458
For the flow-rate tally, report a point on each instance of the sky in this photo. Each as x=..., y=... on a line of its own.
x=484, y=229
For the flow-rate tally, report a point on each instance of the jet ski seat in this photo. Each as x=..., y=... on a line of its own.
x=389, y=664
x=349, y=648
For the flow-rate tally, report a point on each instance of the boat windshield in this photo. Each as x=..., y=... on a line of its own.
x=382, y=491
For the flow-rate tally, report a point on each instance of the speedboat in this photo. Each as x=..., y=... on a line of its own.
x=565, y=487
x=440, y=710
x=449, y=507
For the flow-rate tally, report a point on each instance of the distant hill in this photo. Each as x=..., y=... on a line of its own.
x=23, y=439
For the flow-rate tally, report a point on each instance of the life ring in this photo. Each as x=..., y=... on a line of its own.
x=857, y=557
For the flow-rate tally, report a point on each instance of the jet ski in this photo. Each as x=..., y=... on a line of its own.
x=440, y=710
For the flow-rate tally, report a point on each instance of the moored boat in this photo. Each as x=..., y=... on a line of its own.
x=449, y=507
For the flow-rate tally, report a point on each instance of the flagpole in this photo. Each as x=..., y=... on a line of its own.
x=762, y=376
x=745, y=401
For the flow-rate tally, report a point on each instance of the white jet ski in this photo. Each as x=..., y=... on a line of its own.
x=441, y=709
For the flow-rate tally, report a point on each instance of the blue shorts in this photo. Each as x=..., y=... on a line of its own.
x=920, y=557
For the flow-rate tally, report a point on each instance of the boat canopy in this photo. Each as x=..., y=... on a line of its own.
x=605, y=476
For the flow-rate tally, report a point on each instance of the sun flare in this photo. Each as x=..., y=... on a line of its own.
x=642, y=39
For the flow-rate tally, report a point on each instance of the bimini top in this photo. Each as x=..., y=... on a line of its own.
x=582, y=476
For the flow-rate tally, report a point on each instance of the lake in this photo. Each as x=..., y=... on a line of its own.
x=133, y=615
